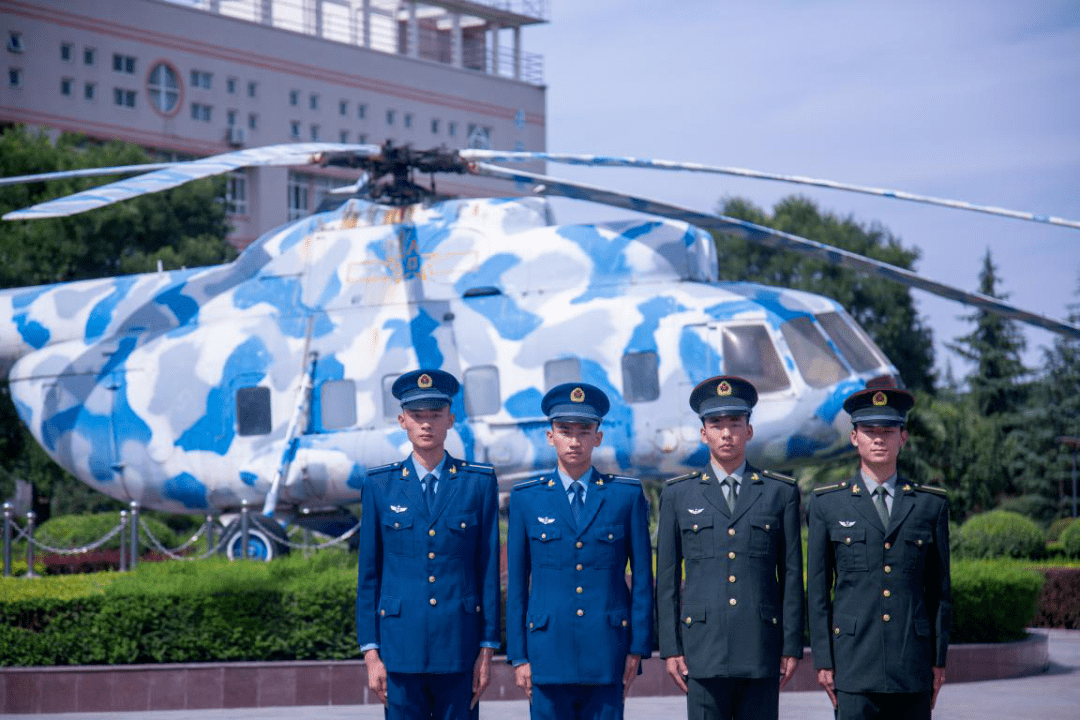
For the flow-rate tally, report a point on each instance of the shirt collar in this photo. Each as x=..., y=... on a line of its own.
x=567, y=480
x=720, y=474
x=436, y=471
x=871, y=482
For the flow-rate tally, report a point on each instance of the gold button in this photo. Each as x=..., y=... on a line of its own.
x=477, y=608
x=543, y=536
x=433, y=601
x=578, y=544
x=383, y=613
x=610, y=536
x=579, y=590
x=886, y=593
x=531, y=626
x=847, y=541
x=397, y=526
x=624, y=623
x=431, y=578
x=836, y=631
x=919, y=542
x=774, y=622
x=689, y=620
x=731, y=531
x=578, y=566
x=766, y=527
x=886, y=617
x=888, y=546
x=733, y=601
x=431, y=532
x=695, y=528
x=731, y=578
x=462, y=526
x=731, y=555
x=431, y=556
x=580, y=612
x=888, y=568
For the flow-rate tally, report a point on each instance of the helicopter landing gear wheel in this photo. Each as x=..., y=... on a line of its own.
x=266, y=540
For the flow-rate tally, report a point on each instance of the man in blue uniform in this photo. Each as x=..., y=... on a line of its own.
x=878, y=575
x=427, y=596
x=575, y=632
x=733, y=635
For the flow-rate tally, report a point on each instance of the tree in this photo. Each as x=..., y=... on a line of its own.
x=186, y=226
x=884, y=309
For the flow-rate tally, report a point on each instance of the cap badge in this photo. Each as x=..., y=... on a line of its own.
x=424, y=381
x=578, y=395
x=724, y=388
x=880, y=399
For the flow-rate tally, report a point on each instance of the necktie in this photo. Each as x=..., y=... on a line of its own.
x=879, y=503
x=732, y=492
x=577, y=503
x=429, y=492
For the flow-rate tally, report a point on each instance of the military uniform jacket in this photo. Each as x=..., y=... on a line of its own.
x=879, y=599
x=742, y=607
x=569, y=612
x=428, y=584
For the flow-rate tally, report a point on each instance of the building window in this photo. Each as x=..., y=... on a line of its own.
x=230, y=85
x=343, y=136
x=67, y=54
x=123, y=64
x=89, y=56
x=230, y=118
x=253, y=411
x=65, y=86
x=89, y=90
x=236, y=192
x=314, y=133
x=343, y=107
x=15, y=77
x=201, y=79
x=15, y=42
x=362, y=138
x=252, y=87
x=298, y=196
x=123, y=97
x=482, y=391
x=253, y=121
x=479, y=137
x=294, y=129
x=389, y=117
x=294, y=97
x=202, y=112
x=163, y=89
x=361, y=111
x=407, y=120
x=434, y=126
x=641, y=377
x=337, y=401
x=451, y=129
x=313, y=101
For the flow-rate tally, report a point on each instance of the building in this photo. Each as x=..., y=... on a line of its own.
x=203, y=77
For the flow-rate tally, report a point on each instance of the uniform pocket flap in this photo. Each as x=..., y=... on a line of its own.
x=390, y=607
x=544, y=533
x=843, y=624
x=693, y=614
x=695, y=523
x=920, y=539
x=398, y=521
x=461, y=523
x=619, y=618
x=847, y=535
x=536, y=621
x=765, y=523
x=471, y=604
x=770, y=615
x=611, y=534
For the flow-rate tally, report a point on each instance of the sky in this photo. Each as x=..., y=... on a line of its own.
x=976, y=101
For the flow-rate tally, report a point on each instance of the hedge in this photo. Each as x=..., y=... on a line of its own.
x=1000, y=533
x=304, y=609
x=1059, y=604
x=1070, y=539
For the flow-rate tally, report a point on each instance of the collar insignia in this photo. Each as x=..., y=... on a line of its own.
x=695, y=511
x=551, y=483
x=398, y=508
x=546, y=520
x=578, y=395
x=404, y=472
x=880, y=399
x=424, y=381
x=453, y=469
x=723, y=388
x=847, y=523
x=906, y=488
x=600, y=481
x=855, y=489
x=754, y=477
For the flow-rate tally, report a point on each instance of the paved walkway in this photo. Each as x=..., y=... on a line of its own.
x=1054, y=695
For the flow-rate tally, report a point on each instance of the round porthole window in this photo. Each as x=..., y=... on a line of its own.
x=163, y=89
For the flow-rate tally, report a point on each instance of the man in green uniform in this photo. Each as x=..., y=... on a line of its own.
x=878, y=575
x=732, y=637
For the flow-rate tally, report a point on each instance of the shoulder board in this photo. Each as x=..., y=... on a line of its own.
x=385, y=468
x=622, y=480
x=931, y=489
x=477, y=467
x=529, y=483
x=687, y=476
x=778, y=476
x=829, y=488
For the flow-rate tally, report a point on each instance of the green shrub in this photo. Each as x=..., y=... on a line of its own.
x=1053, y=532
x=1001, y=533
x=993, y=600
x=1070, y=539
x=71, y=531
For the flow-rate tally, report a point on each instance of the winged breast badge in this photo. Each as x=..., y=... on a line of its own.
x=847, y=523
x=546, y=520
x=398, y=508
x=695, y=511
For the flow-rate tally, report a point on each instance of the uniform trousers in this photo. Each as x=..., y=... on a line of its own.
x=883, y=706
x=430, y=696
x=577, y=702
x=724, y=698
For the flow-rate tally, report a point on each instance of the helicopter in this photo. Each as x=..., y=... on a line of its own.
x=266, y=381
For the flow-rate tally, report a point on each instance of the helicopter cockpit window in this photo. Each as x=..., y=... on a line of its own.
x=482, y=391
x=749, y=353
x=391, y=405
x=641, y=377
x=253, y=411
x=858, y=349
x=817, y=362
x=563, y=370
x=337, y=400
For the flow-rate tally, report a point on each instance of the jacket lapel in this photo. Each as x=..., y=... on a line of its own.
x=710, y=489
x=860, y=498
x=594, y=498
x=410, y=485
x=559, y=499
x=903, y=504
x=448, y=486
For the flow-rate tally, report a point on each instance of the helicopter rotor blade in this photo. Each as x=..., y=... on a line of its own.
x=608, y=161
x=171, y=175
x=84, y=172
x=775, y=239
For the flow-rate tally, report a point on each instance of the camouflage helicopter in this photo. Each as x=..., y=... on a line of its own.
x=267, y=380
